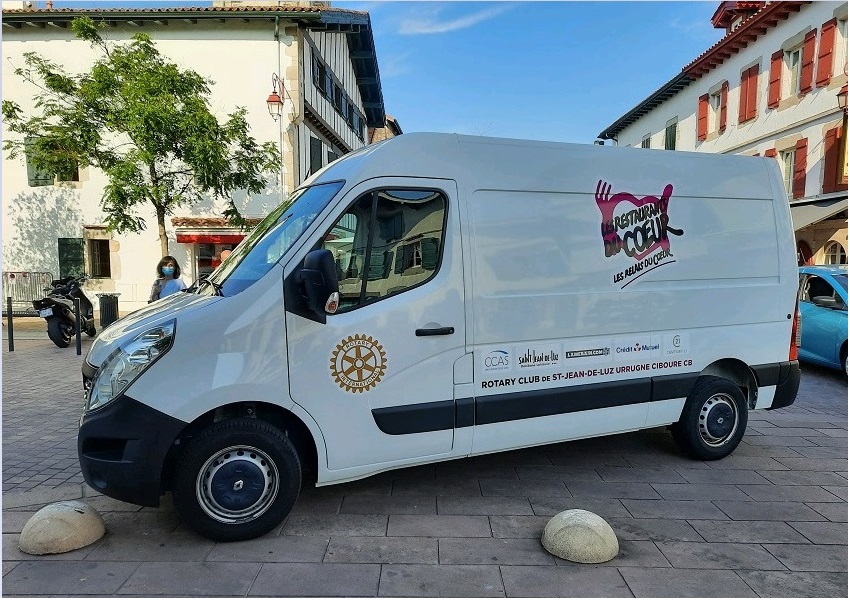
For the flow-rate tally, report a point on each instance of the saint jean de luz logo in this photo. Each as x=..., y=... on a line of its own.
x=641, y=232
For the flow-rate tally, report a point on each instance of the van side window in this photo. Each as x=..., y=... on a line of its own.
x=387, y=242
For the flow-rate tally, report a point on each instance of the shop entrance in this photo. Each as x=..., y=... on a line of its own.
x=208, y=257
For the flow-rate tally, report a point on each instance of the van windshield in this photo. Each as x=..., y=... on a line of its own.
x=269, y=241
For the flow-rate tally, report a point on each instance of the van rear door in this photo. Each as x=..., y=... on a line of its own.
x=378, y=375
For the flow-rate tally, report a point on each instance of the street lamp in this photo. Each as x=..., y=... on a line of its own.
x=274, y=101
x=842, y=98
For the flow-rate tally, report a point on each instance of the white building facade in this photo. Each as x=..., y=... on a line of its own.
x=774, y=85
x=320, y=61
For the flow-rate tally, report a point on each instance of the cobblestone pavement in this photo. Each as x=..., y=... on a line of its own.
x=770, y=520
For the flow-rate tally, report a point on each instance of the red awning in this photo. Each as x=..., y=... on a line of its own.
x=209, y=238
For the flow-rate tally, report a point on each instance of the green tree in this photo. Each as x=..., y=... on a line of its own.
x=145, y=123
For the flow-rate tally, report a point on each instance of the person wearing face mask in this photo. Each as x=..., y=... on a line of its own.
x=169, y=281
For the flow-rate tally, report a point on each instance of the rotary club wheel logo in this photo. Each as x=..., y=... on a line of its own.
x=358, y=363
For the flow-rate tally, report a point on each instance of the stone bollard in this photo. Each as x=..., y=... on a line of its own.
x=580, y=536
x=61, y=527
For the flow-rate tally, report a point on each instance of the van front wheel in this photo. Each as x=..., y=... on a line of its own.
x=237, y=480
x=713, y=421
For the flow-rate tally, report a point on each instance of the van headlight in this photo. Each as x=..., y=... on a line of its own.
x=126, y=363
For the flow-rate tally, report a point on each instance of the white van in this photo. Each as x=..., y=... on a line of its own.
x=439, y=296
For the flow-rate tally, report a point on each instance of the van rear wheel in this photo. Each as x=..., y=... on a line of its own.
x=237, y=480
x=713, y=421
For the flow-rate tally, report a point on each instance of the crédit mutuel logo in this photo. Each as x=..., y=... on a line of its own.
x=641, y=232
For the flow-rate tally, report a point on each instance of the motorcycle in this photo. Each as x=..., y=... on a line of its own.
x=58, y=309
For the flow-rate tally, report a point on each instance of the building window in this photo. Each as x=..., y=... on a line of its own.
x=670, y=134
x=748, y=102
x=787, y=162
x=835, y=159
x=71, y=258
x=793, y=64
x=644, y=143
x=835, y=254
x=714, y=111
x=36, y=177
x=332, y=156
x=99, y=258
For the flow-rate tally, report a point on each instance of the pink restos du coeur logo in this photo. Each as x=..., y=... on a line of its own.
x=641, y=232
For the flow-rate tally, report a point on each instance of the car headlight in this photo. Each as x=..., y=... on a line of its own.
x=126, y=363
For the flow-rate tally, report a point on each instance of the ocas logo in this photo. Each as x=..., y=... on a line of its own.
x=497, y=360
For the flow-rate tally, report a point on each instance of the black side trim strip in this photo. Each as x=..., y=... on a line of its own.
x=767, y=375
x=415, y=418
x=542, y=403
x=465, y=412
x=667, y=387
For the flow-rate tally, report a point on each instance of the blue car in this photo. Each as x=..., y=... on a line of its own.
x=823, y=311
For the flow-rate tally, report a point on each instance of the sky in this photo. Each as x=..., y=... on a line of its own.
x=557, y=70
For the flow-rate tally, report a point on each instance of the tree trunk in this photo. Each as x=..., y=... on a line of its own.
x=163, y=237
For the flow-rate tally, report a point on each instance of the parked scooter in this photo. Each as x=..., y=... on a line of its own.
x=58, y=309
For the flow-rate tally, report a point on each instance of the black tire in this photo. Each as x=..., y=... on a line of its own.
x=236, y=480
x=713, y=421
x=91, y=331
x=58, y=332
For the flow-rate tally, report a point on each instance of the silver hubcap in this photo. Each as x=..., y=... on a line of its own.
x=237, y=484
x=718, y=420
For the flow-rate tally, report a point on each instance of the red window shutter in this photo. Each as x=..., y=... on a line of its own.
x=742, y=96
x=827, y=47
x=798, y=187
x=702, y=117
x=831, y=161
x=774, y=86
x=770, y=153
x=724, y=95
x=807, y=70
x=752, y=92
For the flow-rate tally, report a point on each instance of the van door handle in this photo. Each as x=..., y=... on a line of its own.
x=435, y=331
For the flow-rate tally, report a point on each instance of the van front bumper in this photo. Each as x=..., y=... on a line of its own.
x=122, y=448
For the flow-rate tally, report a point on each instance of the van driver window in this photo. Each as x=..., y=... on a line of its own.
x=387, y=242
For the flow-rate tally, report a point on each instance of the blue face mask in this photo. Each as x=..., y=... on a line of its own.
x=168, y=271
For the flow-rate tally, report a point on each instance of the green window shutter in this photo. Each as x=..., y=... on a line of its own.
x=35, y=176
x=71, y=260
x=430, y=250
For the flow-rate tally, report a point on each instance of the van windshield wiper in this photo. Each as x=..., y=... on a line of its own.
x=216, y=286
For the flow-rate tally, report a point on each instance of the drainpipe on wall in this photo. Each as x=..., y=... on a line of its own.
x=280, y=121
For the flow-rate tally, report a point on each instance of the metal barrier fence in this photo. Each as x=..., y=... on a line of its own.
x=24, y=287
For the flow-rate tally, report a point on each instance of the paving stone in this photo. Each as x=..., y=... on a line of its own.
x=837, y=490
x=824, y=452
x=67, y=578
x=308, y=580
x=782, y=431
x=511, y=526
x=803, y=478
x=777, y=440
x=389, y=505
x=442, y=487
x=441, y=581
x=699, y=491
x=798, y=557
x=747, y=532
x=154, y=547
x=655, y=460
x=14, y=521
x=641, y=475
x=777, y=584
x=490, y=505
x=673, y=509
x=822, y=533
x=510, y=487
x=332, y=525
x=528, y=456
x=824, y=441
x=765, y=450
x=467, y=469
x=685, y=583
x=833, y=432
x=317, y=504
x=12, y=551
x=632, y=553
x=557, y=473
x=8, y=565
x=815, y=464
x=382, y=550
x=191, y=579
x=590, y=459
x=140, y=523
x=474, y=551
x=439, y=526
x=372, y=486
x=750, y=463
x=272, y=548
x=831, y=511
x=595, y=489
x=722, y=555
x=721, y=476
x=768, y=511
x=794, y=493
x=654, y=529
x=604, y=507
x=576, y=581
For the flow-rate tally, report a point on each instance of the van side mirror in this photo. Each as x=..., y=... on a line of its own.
x=319, y=283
